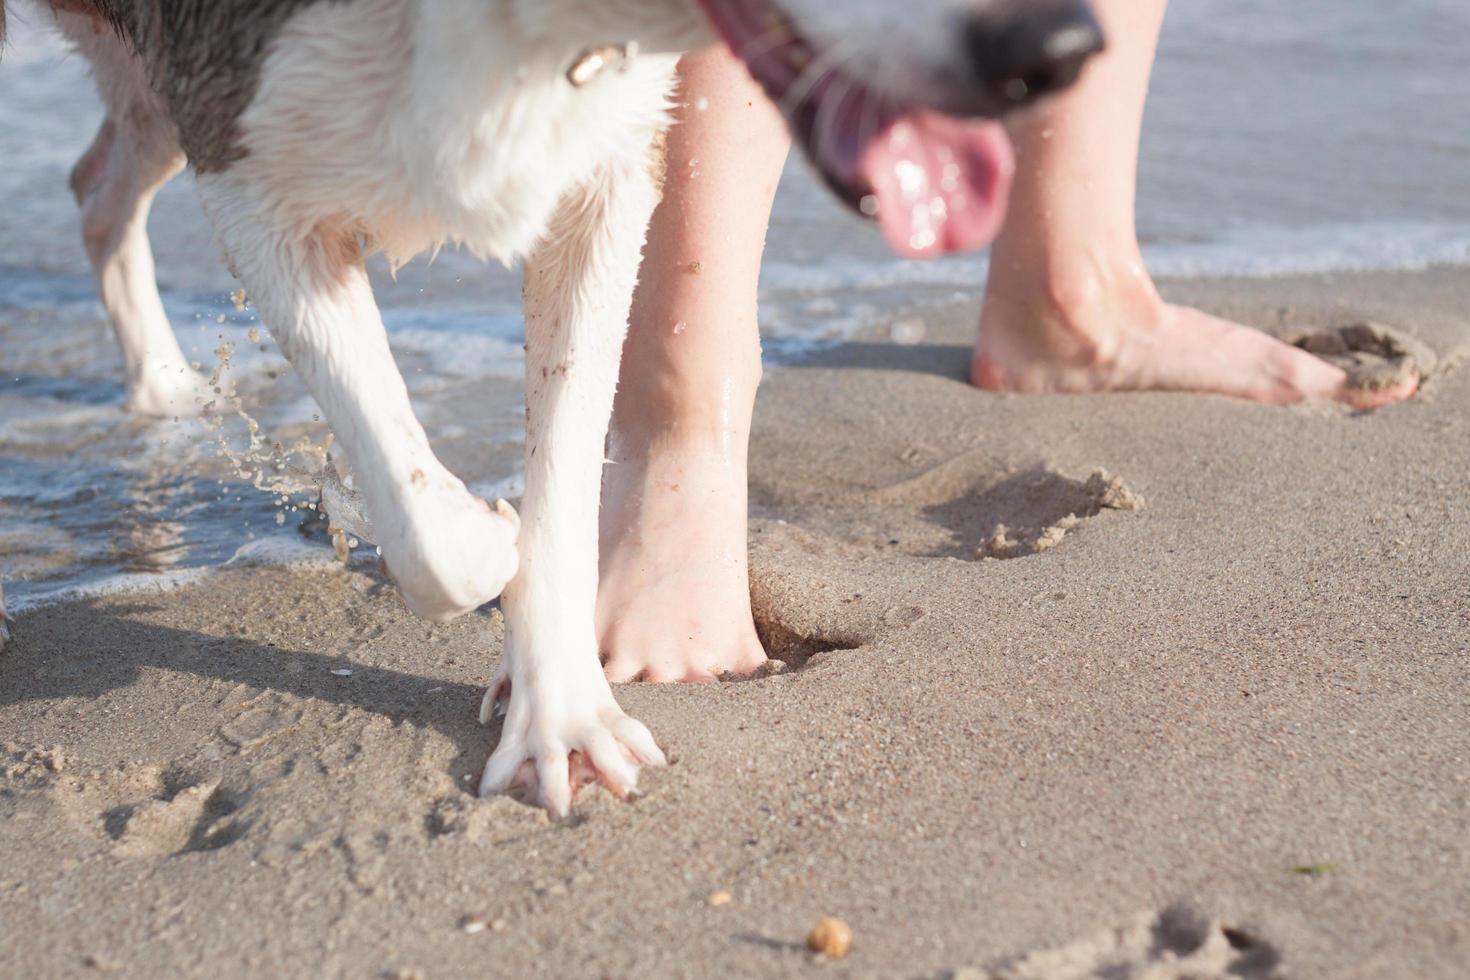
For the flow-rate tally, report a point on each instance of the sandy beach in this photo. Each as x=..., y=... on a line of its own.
x=1207, y=715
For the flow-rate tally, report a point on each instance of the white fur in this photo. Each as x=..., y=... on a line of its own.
x=403, y=125
x=408, y=125
x=135, y=152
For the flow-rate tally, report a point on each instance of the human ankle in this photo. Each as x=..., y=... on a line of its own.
x=1076, y=307
x=707, y=430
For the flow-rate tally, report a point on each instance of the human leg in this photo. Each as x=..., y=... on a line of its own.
x=1069, y=306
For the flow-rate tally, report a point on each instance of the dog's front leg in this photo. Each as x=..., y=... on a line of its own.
x=563, y=727
x=448, y=550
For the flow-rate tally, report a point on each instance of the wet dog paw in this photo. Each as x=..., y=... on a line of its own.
x=458, y=561
x=554, y=742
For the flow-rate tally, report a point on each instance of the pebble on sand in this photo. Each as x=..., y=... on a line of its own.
x=830, y=937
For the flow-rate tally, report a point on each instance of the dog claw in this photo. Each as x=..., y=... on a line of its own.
x=492, y=706
x=548, y=764
x=496, y=702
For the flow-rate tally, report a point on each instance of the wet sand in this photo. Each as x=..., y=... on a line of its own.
x=1226, y=732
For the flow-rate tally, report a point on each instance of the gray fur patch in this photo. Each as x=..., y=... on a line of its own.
x=204, y=59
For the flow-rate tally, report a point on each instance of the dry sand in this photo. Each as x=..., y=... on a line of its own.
x=1225, y=734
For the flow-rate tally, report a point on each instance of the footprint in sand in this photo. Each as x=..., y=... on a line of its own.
x=193, y=818
x=1375, y=355
x=1179, y=943
x=139, y=810
x=258, y=718
x=1041, y=507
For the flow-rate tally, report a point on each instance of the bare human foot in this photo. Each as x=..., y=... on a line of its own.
x=1069, y=306
x=674, y=603
x=1111, y=331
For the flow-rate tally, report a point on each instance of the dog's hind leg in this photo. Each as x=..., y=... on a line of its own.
x=135, y=153
x=563, y=728
x=448, y=550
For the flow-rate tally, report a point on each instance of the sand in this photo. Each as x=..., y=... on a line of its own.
x=1223, y=734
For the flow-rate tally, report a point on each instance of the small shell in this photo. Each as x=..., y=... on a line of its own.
x=472, y=924
x=721, y=897
x=830, y=937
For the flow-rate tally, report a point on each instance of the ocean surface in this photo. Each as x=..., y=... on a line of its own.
x=1281, y=138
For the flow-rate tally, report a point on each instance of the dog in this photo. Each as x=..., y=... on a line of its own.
x=320, y=130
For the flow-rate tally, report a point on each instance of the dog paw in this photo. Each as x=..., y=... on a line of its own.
x=555, y=742
x=457, y=556
x=169, y=393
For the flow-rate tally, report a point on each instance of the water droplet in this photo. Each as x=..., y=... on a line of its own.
x=680, y=327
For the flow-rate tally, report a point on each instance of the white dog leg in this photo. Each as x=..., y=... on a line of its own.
x=134, y=154
x=448, y=550
x=563, y=726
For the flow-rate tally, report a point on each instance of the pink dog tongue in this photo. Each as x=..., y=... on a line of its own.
x=939, y=184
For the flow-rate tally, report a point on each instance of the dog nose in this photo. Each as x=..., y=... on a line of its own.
x=1031, y=48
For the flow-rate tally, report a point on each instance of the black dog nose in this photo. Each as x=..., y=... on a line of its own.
x=1030, y=48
